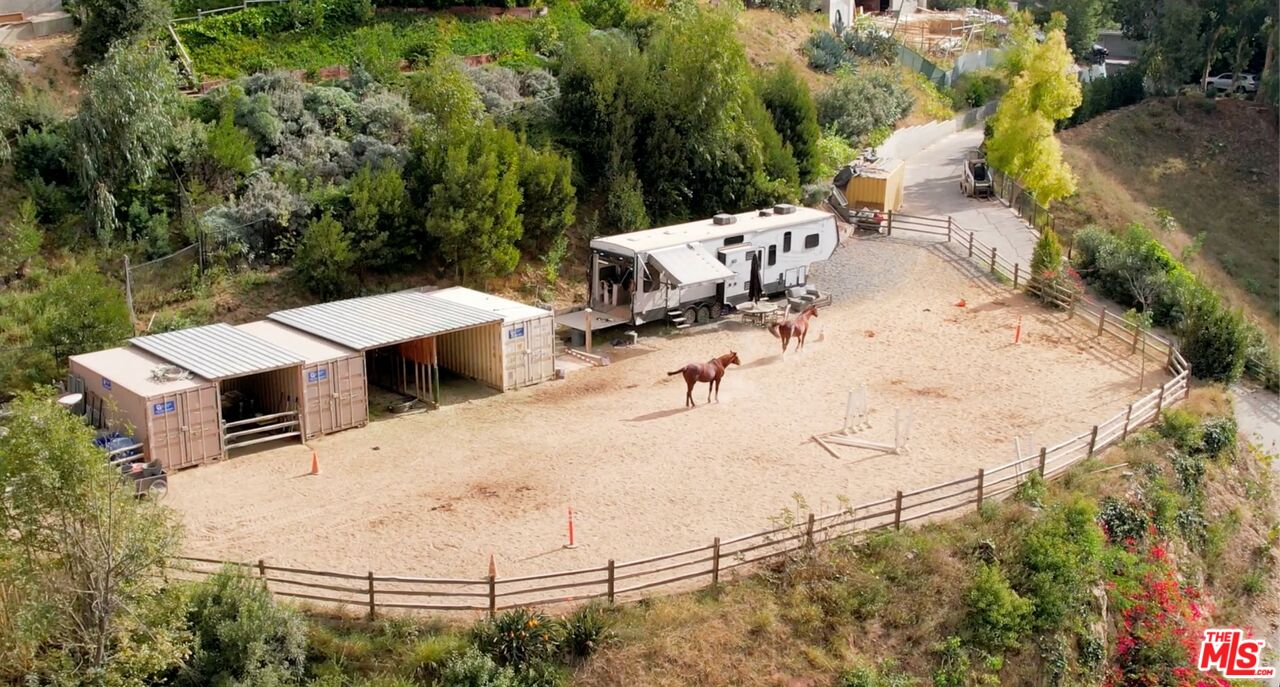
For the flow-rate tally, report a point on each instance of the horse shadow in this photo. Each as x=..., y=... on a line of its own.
x=762, y=362
x=659, y=414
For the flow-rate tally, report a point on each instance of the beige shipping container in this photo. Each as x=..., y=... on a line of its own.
x=879, y=186
x=528, y=336
x=176, y=421
x=335, y=388
x=474, y=352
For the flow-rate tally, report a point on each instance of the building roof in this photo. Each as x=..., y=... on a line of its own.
x=881, y=168
x=312, y=349
x=217, y=351
x=376, y=321
x=511, y=311
x=130, y=368
x=690, y=264
x=703, y=230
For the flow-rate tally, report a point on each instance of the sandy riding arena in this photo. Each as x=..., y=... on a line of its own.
x=437, y=493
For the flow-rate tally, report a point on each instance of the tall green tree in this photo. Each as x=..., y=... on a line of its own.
x=324, y=259
x=377, y=218
x=1084, y=18
x=106, y=22
x=124, y=129
x=795, y=117
x=80, y=561
x=80, y=311
x=547, y=197
x=468, y=181
x=444, y=92
x=1022, y=142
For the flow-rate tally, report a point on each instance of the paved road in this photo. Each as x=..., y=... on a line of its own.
x=1258, y=414
x=933, y=188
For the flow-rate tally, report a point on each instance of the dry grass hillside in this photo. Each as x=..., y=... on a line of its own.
x=1213, y=165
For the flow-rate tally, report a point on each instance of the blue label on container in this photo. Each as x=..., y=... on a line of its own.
x=163, y=408
x=106, y=383
x=516, y=332
x=317, y=375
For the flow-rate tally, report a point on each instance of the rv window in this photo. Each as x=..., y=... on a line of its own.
x=733, y=240
x=650, y=284
x=773, y=255
x=786, y=242
x=811, y=241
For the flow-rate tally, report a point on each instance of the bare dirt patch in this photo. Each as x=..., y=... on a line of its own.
x=644, y=475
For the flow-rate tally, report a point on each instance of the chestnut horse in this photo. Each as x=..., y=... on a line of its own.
x=711, y=371
x=796, y=327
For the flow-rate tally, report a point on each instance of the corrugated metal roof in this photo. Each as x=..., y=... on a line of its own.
x=312, y=349
x=217, y=351
x=375, y=321
x=511, y=311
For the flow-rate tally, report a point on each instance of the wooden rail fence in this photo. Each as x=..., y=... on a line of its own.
x=614, y=581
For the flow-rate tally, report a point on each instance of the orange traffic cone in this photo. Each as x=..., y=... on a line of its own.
x=961, y=303
x=315, y=464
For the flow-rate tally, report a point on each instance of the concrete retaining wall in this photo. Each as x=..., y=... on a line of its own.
x=907, y=142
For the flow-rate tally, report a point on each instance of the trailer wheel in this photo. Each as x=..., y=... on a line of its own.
x=716, y=311
x=690, y=316
x=157, y=490
x=704, y=314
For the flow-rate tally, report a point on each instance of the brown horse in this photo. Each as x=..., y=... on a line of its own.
x=711, y=371
x=796, y=327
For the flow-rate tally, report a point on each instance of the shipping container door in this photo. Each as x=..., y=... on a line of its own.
x=164, y=431
x=350, y=406
x=516, y=355
x=203, y=414
x=312, y=402
x=543, y=345
x=319, y=395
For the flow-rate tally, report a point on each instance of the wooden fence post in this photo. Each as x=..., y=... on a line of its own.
x=1016, y=266
x=1070, y=245
x=949, y=228
x=808, y=531
x=373, y=608
x=1160, y=400
x=897, y=512
x=1127, y=414
x=1186, y=384
x=1044, y=453
x=993, y=259
x=1168, y=362
x=493, y=595
x=1093, y=440
x=971, y=244
x=715, y=561
x=889, y=226
x=262, y=568
x=610, y=590
x=1137, y=331
x=1102, y=320
x=981, y=479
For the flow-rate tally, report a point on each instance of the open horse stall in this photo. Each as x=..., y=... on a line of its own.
x=335, y=392
x=407, y=337
x=260, y=385
x=528, y=336
x=140, y=403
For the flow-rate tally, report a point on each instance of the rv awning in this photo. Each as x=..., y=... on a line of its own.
x=690, y=264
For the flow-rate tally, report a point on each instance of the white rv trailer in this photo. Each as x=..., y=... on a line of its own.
x=694, y=272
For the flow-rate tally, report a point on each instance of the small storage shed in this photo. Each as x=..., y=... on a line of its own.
x=335, y=393
x=172, y=413
x=875, y=184
x=406, y=337
x=528, y=335
x=259, y=383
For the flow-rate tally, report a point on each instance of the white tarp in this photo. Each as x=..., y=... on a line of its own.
x=690, y=264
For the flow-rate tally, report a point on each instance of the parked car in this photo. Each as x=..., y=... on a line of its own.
x=1228, y=81
x=1097, y=54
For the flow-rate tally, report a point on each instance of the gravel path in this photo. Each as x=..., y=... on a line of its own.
x=864, y=267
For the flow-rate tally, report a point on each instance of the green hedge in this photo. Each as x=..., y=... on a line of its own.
x=1110, y=93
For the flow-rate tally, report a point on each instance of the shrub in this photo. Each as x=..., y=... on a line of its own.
x=857, y=104
x=429, y=657
x=1189, y=469
x=1215, y=341
x=975, y=89
x=953, y=663
x=1180, y=427
x=825, y=51
x=324, y=259
x=1217, y=434
x=605, y=14
x=625, y=209
x=475, y=669
x=240, y=636
x=1058, y=563
x=1122, y=521
x=43, y=154
x=795, y=117
x=997, y=617
x=1106, y=94
x=519, y=638
x=20, y=240
x=547, y=199
x=1033, y=490
x=585, y=631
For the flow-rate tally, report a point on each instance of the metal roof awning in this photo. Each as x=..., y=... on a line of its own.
x=690, y=264
x=377, y=321
x=217, y=351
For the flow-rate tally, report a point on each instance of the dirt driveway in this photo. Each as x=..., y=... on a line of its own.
x=438, y=493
